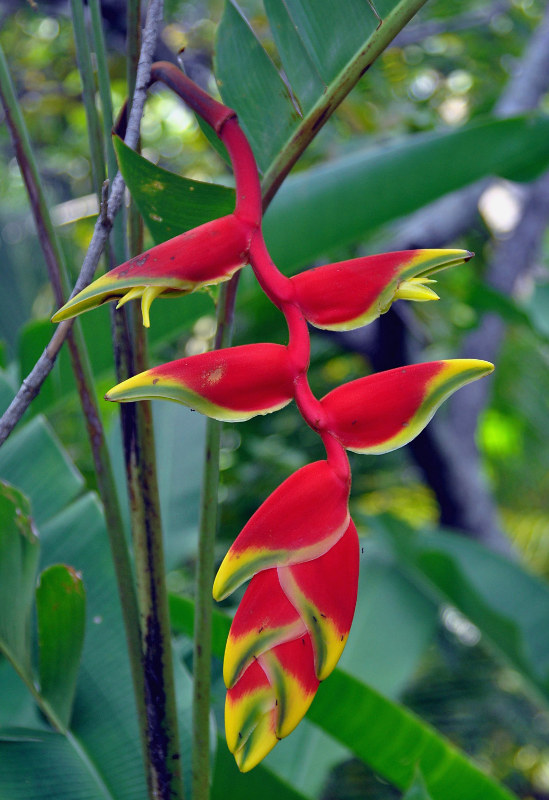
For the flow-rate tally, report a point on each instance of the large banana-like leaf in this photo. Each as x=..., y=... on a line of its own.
x=508, y=605
x=324, y=47
x=384, y=734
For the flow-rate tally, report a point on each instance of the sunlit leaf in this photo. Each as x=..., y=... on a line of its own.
x=341, y=202
x=19, y=553
x=61, y=612
x=169, y=203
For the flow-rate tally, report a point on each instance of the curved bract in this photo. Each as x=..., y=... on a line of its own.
x=387, y=410
x=233, y=385
x=349, y=294
x=209, y=254
x=287, y=635
x=300, y=520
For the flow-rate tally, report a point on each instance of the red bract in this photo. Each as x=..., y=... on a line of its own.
x=287, y=635
x=206, y=255
x=234, y=384
x=301, y=520
x=387, y=410
x=352, y=293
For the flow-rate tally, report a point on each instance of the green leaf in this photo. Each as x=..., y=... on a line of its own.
x=250, y=83
x=507, y=604
x=306, y=758
x=168, y=203
x=230, y=784
x=19, y=553
x=323, y=34
x=103, y=729
x=33, y=460
x=324, y=45
x=417, y=790
x=394, y=623
x=386, y=736
x=297, y=54
x=61, y=614
x=341, y=202
x=42, y=765
x=392, y=741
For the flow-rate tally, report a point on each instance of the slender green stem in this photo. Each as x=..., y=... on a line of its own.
x=103, y=82
x=88, y=94
x=205, y=570
x=338, y=89
x=133, y=39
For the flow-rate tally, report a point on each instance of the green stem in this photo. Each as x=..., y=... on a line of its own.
x=205, y=570
x=88, y=94
x=338, y=89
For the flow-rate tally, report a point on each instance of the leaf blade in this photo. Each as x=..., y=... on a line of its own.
x=61, y=613
x=19, y=553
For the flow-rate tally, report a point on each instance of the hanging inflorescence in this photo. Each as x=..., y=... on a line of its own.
x=300, y=548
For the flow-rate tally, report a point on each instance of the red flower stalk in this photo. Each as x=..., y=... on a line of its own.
x=300, y=548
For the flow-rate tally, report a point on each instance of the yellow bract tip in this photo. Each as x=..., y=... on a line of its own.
x=415, y=289
x=133, y=294
x=149, y=294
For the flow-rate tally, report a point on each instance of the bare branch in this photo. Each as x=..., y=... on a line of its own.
x=32, y=383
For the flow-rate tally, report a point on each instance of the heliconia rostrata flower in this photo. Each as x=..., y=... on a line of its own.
x=299, y=550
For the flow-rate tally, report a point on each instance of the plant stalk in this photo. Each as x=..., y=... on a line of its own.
x=205, y=569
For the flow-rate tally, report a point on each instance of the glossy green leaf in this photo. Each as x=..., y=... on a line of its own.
x=393, y=626
x=19, y=553
x=393, y=741
x=169, y=203
x=508, y=605
x=250, y=83
x=321, y=33
x=324, y=46
x=384, y=734
x=417, y=790
x=61, y=615
x=341, y=202
x=306, y=758
x=298, y=56
x=33, y=460
x=103, y=729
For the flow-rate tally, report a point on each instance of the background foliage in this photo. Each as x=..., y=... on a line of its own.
x=451, y=628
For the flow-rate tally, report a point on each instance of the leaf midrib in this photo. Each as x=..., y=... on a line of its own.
x=335, y=92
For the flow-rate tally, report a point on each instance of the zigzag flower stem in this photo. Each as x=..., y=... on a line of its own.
x=300, y=549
